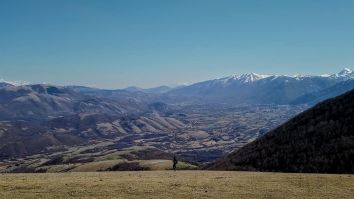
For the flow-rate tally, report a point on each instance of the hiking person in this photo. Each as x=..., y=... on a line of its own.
x=175, y=161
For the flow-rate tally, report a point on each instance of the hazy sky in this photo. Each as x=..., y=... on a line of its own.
x=118, y=43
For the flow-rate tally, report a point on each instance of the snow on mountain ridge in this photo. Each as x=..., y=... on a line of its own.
x=15, y=83
x=251, y=77
x=345, y=74
x=244, y=78
x=346, y=70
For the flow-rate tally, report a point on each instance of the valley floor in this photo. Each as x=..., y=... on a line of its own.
x=180, y=184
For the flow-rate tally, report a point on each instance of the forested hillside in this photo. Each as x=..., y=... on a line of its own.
x=318, y=140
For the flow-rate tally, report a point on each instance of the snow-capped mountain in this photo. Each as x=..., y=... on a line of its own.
x=260, y=89
x=343, y=75
x=244, y=78
x=13, y=83
x=245, y=89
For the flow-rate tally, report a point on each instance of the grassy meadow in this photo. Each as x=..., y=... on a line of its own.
x=180, y=184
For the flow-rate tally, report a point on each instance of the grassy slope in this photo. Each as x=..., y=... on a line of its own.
x=180, y=184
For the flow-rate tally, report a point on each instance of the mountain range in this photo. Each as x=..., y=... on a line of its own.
x=246, y=89
x=262, y=89
x=41, y=101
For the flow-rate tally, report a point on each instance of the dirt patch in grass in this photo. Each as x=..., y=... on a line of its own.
x=128, y=166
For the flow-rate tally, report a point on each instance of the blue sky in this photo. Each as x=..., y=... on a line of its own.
x=119, y=43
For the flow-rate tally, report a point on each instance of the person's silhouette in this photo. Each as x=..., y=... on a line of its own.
x=175, y=161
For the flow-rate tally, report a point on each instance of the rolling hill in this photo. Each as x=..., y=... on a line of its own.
x=40, y=101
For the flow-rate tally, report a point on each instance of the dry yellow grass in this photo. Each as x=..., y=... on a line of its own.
x=180, y=184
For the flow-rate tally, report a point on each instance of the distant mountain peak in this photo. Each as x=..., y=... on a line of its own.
x=344, y=74
x=345, y=71
x=248, y=77
x=14, y=83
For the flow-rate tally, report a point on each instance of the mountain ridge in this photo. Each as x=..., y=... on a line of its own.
x=260, y=89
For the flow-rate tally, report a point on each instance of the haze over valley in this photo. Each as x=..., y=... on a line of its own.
x=48, y=128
